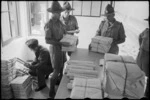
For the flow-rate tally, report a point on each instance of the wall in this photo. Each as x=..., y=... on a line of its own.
x=133, y=13
x=17, y=48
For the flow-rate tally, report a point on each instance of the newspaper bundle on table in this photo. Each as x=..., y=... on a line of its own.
x=70, y=42
x=86, y=69
x=101, y=44
x=21, y=86
x=86, y=88
x=123, y=77
x=8, y=73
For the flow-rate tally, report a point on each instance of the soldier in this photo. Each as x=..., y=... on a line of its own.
x=69, y=21
x=143, y=55
x=41, y=66
x=54, y=31
x=111, y=28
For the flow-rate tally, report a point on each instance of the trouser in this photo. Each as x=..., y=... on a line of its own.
x=40, y=76
x=58, y=59
x=143, y=62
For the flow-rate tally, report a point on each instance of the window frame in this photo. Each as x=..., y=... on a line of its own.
x=17, y=30
x=100, y=13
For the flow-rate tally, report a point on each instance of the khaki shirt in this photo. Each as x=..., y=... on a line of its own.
x=54, y=29
x=144, y=40
x=115, y=31
x=70, y=24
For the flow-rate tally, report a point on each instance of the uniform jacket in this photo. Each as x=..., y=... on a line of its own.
x=144, y=40
x=42, y=59
x=70, y=24
x=54, y=31
x=115, y=31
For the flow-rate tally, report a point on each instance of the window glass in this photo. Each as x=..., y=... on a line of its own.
x=95, y=8
x=86, y=8
x=12, y=17
x=77, y=6
x=6, y=34
x=38, y=17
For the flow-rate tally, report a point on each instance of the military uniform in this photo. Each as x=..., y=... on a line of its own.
x=41, y=66
x=143, y=56
x=115, y=31
x=54, y=30
x=70, y=24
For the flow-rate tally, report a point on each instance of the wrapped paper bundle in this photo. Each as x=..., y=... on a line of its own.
x=21, y=86
x=93, y=93
x=73, y=75
x=84, y=82
x=21, y=82
x=24, y=93
x=77, y=93
x=80, y=82
x=82, y=63
x=79, y=67
x=115, y=76
x=87, y=72
x=116, y=58
x=69, y=48
x=69, y=40
x=8, y=73
x=85, y=92
x=101, y=44
x=102, y=40
x=102, y=48
x=6, y=93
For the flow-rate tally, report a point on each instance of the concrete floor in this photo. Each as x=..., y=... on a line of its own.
x=43, y=94
x=88, y=27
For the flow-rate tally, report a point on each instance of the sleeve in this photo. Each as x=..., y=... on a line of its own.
x=34, y=62
x=140, y=38
x=43, y=58
x=98, y=32
x=121, y=35
x=48, y=33
x=76, y=23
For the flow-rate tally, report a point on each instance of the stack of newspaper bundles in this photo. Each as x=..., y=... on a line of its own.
x=70, y=42
x=8, y=73
x=101, y=44
x=123, y=77
x=21, y=87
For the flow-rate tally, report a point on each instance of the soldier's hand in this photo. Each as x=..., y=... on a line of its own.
x=27, y=65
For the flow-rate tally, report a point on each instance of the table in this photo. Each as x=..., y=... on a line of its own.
x=82, y=55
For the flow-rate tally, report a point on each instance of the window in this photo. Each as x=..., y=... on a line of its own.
x=89, y=8
x=9, y=21
x=38, y=16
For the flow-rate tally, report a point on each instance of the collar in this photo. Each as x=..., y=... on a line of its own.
x=66, y=19
x=39, y=47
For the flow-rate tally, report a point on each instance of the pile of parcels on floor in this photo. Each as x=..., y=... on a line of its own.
x=14, y=83
x=69, y=42
x=121, y=77
x=101, y=44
